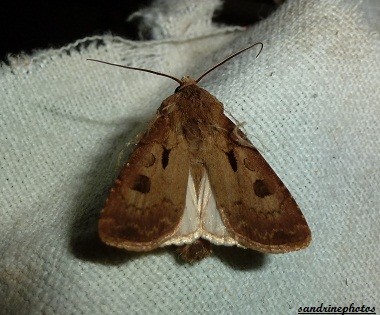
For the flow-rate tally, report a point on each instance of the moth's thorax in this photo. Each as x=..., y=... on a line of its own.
x=190, y=92
x=191, y=105
x=196, y=115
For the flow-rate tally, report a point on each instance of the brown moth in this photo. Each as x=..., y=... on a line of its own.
x=195, y=178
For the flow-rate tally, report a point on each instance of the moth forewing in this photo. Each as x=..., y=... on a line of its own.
x=147, y=202
x=256, y=207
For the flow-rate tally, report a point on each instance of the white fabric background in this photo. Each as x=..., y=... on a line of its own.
x=310, y=102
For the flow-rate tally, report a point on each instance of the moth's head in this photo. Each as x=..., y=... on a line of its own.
x=185, y=81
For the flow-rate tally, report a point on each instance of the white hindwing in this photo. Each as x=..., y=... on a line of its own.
x=201, y=218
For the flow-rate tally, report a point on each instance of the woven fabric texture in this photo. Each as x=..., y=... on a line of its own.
x=310, y=102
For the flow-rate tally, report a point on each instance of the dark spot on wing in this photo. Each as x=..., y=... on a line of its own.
x=142, y=184
x=232, y=160
x=165, y=158
x=261, y=189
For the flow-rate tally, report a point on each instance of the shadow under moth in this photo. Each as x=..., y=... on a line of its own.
x=195, y=178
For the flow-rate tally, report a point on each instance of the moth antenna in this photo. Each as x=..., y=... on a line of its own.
x=140, y=69
x=230, y=57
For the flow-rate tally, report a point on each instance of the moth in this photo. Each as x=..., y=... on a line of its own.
x=193, y=179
